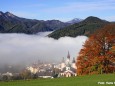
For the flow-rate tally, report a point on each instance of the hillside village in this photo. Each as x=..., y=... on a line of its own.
x=65, y=69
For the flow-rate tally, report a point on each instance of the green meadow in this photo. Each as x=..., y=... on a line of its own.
x=89, y=80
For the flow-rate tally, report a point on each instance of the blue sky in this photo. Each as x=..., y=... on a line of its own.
x=60, y=9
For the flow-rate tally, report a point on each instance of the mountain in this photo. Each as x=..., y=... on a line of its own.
x=10, y=23
x=86, y=28
x=75, y=20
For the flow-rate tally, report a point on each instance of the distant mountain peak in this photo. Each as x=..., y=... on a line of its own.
x=92, y=19
x=10, y=14
x=10, y=23
x=75, y=20
x=7, y=14
x=1, y=13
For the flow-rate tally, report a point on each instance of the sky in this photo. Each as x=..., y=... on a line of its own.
x=63, y=10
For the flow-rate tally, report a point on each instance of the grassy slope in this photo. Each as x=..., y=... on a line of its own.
x=73, y=81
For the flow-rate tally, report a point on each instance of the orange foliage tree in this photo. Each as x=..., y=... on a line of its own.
x=98, y=53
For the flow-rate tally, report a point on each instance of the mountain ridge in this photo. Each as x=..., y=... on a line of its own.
x=10, y=23
x=86, y=28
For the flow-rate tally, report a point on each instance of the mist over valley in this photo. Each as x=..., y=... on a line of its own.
x=21, y=50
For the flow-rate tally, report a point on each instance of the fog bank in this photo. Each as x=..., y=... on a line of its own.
x=22, y=48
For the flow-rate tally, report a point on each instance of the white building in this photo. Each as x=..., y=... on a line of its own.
x=33, y=69
x=7, y=74
x=68, y=68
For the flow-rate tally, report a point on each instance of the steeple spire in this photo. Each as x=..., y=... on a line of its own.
x=68, y=56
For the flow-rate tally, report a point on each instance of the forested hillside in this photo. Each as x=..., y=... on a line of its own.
x=86, y=27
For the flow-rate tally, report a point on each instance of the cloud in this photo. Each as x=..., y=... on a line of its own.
x=33, y=5
x=65, y=10
x=83, y=6
x=43, y=34
x=110, y=18
x=22, y=48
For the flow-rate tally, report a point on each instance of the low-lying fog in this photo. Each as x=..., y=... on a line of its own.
x=25, y=49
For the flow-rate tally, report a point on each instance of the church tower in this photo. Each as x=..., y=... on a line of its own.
x=73, y=64
x=68, y=56
x=68, y=63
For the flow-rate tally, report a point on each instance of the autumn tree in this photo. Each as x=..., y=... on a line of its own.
x=98, y=53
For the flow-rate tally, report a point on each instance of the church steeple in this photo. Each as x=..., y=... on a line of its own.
x=68, y=56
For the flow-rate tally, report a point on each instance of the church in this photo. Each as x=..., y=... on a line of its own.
x=68, y=68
